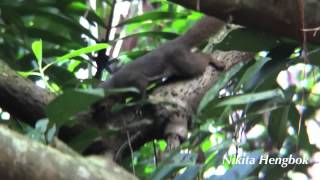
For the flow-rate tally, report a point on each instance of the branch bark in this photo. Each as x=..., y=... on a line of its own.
x=22, y=98
x=280, y=17
x=22, y=158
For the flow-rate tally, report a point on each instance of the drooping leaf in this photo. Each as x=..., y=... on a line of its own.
x=165, y=171
x=77, y=5
x=251, y=97
x=51, y=134
x=83, y=51
x=214, y=90
x=297, y=120
x=37, y=50
x=265, y=77
x=251, y=71
x=153, y=15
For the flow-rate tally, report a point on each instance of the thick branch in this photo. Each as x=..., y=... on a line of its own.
x=185, y=96
x=174, y=106
x=279, y=17
x=22, y=158
x=22, y=98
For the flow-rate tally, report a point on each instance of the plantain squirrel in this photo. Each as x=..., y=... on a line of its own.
x=173, y=58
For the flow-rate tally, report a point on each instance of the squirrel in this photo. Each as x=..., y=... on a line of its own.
x=173, y=58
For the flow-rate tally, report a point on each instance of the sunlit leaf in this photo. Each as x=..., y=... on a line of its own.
x=51, y=134
x=251, y=71
x=37, y=50
x=83, y=51
x=42, y=125
x=78, y=5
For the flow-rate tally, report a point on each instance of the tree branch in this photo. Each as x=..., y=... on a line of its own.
x=280, y=17
x=22, y=158
x=20, y=97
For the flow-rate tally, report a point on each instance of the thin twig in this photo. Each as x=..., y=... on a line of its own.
x=155, y=152
x=316, y=29
x=131, y=153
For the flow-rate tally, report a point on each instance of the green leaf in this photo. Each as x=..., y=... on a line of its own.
x=251, y=72
x=190, y=173
x=37, y=50
x=58, y=18
x=36, y=135
x=51, y=134
x=81, y=8
x=251, y=97
x=214, y=90
x=60, y=75
x=171, y=164
x=154, y=15
x=277, y=126
x=64, y=107
x=84, y=139
x=85, y=50
x=165, y=171
x=215, y=157
x=295, y=120
x=262, y=108
x=42, y=125
x=76, y=5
